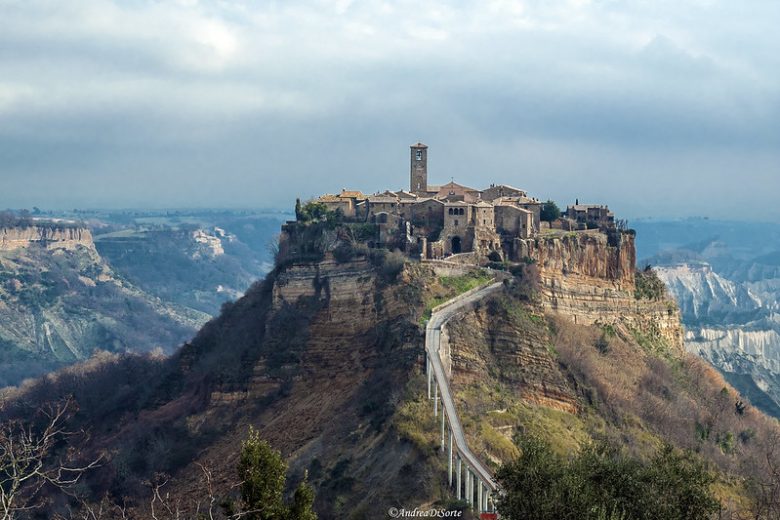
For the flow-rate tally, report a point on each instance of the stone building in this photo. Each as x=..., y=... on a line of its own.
x=452, y=218
x=346, y=202
x=590, y=216
x=501, y=190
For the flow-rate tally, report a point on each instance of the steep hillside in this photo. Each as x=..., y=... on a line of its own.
x=726, y=279
x=325, y=359
x=59, y=302
x=732, y=328
x=531, y=366
x=317, y=358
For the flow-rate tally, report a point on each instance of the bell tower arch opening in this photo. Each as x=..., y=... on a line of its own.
x=418, y=168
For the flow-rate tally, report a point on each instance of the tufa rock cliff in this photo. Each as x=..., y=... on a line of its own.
x=49, y=237
x=589, y=277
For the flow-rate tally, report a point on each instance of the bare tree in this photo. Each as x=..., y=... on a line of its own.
x=28, y=463
x=766, y=488
x=104, y=510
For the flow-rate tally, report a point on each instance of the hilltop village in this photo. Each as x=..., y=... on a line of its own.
x=451, y=219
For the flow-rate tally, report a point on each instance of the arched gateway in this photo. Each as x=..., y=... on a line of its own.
x=456, y=247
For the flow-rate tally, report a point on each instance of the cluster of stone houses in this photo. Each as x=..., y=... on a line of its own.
x=452, y=218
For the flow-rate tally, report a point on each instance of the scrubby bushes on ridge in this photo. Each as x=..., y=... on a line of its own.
x=648, y=286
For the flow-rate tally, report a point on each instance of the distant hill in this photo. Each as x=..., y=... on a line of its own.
x=71, y=284
x=59, y=302
x=726, y=278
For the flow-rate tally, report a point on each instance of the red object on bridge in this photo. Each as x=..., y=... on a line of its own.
x=488, y=516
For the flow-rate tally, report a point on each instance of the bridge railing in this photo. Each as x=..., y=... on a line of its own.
x=459, y=451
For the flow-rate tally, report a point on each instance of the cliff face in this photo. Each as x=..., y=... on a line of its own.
x=65, y=237
x=348, y=283
x=589, y=277
x=726, y=278
x=491, y=340
x=705, y=297
x=59, y=302
x=607, y=261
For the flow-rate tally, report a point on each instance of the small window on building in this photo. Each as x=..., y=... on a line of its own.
x=456, y=222
x=461, y=211
x=418, y=155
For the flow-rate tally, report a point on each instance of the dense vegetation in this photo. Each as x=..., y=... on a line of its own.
x=262, y=475
x=550, y=211
x=648, y=286
x=601, y=482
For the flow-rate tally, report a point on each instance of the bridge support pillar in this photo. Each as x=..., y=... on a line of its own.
x=428, y=371
x=469, y=494
x=435, y=398
x=449, y=460
x=459, y=495
x=443, y=426
x=479, y=497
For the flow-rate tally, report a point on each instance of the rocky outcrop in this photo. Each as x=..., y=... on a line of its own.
x=589, y=277
x=704, y=296
x=60, y=302
x=329, y=280
x=610, y=259
x=488, y=341
x=208, y=245
x=49, y=237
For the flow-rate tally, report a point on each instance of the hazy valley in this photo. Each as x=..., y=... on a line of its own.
x=726, y=278
x=71, y=284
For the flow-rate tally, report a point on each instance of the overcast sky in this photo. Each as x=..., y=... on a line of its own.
x=653, y=107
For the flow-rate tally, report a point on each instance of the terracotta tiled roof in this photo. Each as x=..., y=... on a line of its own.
x=351, y=194
x=455, y=185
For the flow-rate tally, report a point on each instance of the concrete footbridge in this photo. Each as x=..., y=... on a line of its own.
x=472, y=480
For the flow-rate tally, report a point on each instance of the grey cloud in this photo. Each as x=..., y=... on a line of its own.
x=237, y=103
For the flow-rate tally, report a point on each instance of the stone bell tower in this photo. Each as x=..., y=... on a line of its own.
x=419, y=168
